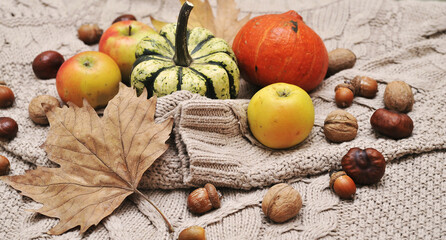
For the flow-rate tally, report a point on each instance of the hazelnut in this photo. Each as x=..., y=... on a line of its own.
x=391, y=124
x=204, y=199
x=343, y=97
x=192, y=233
x=124, y=17
x=365, y=86
x=364, y=166
x=398, y=96
x=6, y=97
x=342, y=185
x=8, y=128
x=4, y=165
x=340, y=59
x=36, y=110
x=281, y=203
x=340, y=126
x=89, y=33
x=46, y=64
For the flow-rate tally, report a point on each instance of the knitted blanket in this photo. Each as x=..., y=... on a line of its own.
x=211, y=141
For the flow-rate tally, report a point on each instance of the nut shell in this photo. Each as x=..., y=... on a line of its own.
x=36, y=111
x=364, y=166
x=8, y=128
x=6, y=97
x=344, y=97
x=342, y=185
x=398, y=96
x=340, y=59
x=365, y=86
x=204, y=199
x=214, y=197
x=340, y=126
x=4, y=165
x=391, y=124
x=89, y=33
x=281, y=203
x=46, y=64
x=192, y=233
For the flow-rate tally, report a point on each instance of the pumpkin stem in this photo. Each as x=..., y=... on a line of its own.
x=182, y=56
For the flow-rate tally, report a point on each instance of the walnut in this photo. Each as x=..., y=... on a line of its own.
x=398, y=96
x=36, y=111
x=281, y=203
x=340, y=126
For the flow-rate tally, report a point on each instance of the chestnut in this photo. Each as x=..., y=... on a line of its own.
x=46, y=64
x=364, y=166
x=4, y=165
x=8, y=128
x=124, y=17
x=391, y=124
x=6, y=97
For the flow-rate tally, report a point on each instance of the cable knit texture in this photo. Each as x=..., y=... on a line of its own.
x=211, y=141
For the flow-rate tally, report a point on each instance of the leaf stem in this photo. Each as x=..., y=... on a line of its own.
x=157, y=209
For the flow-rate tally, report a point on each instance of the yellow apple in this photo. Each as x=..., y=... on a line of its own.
x=91, y=75
x=281, y=115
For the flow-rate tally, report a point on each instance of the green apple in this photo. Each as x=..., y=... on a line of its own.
x=119, y=42
x=281, y=115
x=91, y=75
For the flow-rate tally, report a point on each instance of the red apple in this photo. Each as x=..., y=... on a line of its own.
x=91, y=75
x=119, y=42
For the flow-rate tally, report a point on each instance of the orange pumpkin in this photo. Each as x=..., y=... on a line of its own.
x=280, y=48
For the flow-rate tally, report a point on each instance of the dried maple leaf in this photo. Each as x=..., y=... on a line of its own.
x=227, y=24
x=101, y=160
x=224, y=25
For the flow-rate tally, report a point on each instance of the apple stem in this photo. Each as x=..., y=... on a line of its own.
x=182, y=56
x=169, y=226
x=130, y=30
x=283, y=93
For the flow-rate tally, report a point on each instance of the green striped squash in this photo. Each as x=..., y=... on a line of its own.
x=164, y=63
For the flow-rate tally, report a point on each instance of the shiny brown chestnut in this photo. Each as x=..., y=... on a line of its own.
x=4, y=165
x=6, y=97
x=391, y=124
x=46, y=64
x=124, y=17
x=364, y=166
x=8, y=128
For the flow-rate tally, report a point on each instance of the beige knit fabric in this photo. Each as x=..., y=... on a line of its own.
x=211, y=141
